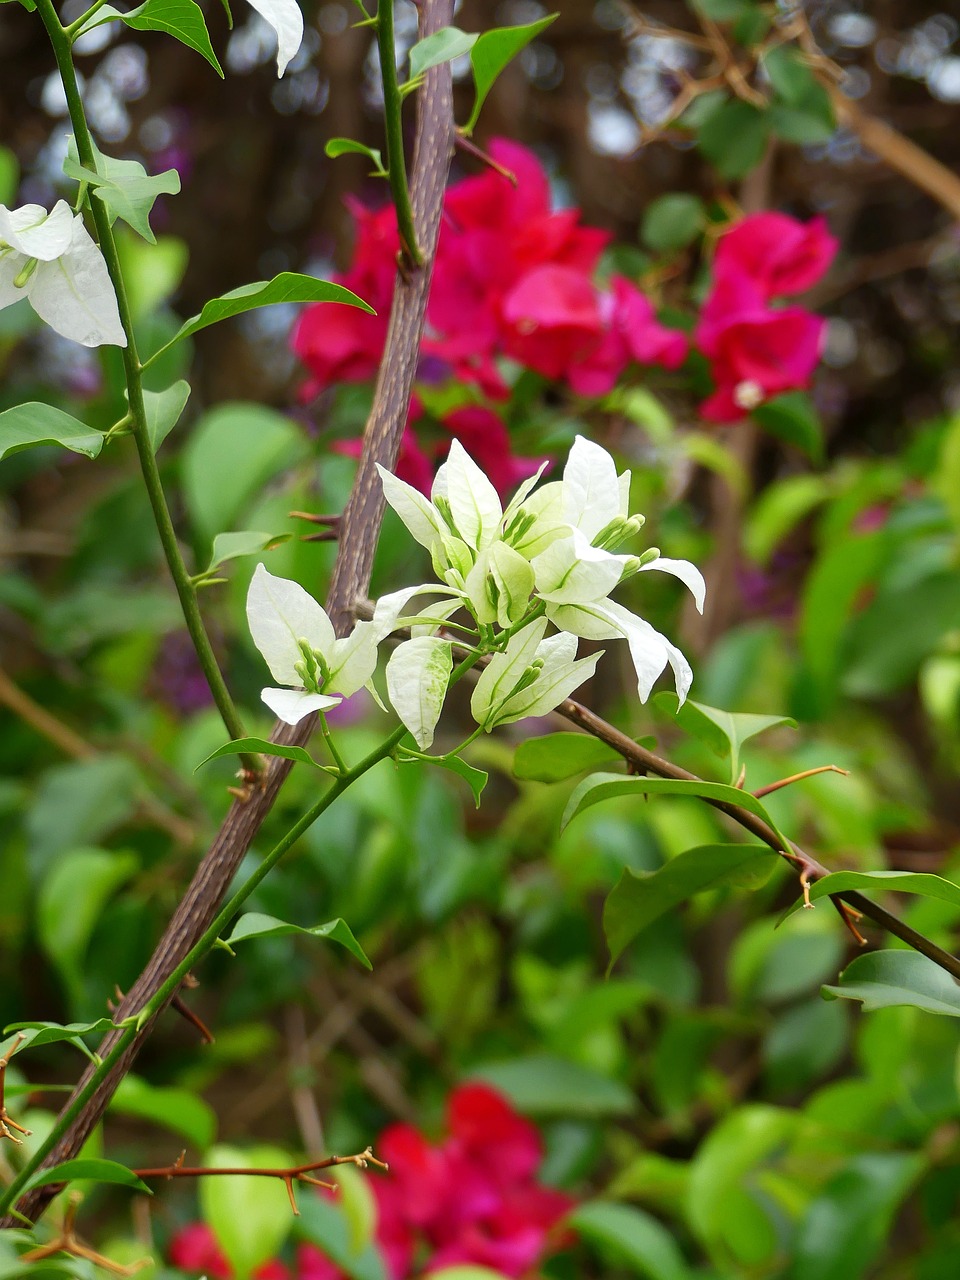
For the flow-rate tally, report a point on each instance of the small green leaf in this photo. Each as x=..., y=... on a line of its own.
x=245, y=542
x=724, y=732
x=443, y=46
x=790, y=76
x=124, y=186
x=607, y=786
x=491, y=53
x=181, y=19
x=640, y=897
x=255, y=925
x=289, y=286
x=260, y=746
x=87, y=1171
x=41, y=1033
x=672, y=222
x=33, y=423
x=779, y=509
x=163, y=410
x=558, y=756
x=807, y=121
x=476, y=779
x=792, y=418
x=885, y=978
x=734, y=138
x=347, y=146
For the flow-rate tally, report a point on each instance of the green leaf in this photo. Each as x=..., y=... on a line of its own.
x=26, y=425
x=41, y=1033
x=260, y=746
x=78, y=803
x=9, y=176
x=607, y=786
x=179, y=1110
x=87, y=1170
x=724, y=732
x=640, y=897
x=325, y=1226
x=347, y=146
x=673, y=221
x=163, y=410
x=250, y=1217
x=181, y=19
x=491, y=53
x=629, y=1237
x=288, y=286
x=542, y=1085
x=254, y=925
x=562, y=755
x=124, y=186
x=734, y=138
x=72, y=899
x=779, y=509
x=885, y=978
x=246, y=542
x=443, y=46
x=476, y=779
x=258, y=441
x=929, y=886
x=723, y=10
x=810, y=122
x=792, y=418
x=790, y=75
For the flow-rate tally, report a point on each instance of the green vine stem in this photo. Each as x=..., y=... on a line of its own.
x=393, y=124
x=203, y=945
x=133, y=370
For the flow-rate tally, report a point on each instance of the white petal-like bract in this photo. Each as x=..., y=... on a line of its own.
x=291, y=705
x=279, y=614
x=418, y=675
x=287, y=21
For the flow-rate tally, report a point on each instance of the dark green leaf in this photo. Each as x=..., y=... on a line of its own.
x=929, y=886
x=541, y=1085
x=672, y=222
x=724, y=732
x=255, y=925
x=640, y=897
x=628, y=1236
x=734, y=138
x=562, y=755
x=33, y=423
x=41, y=1033
x=793, y=419
x=347, y=146
x=326, y=1227
x=9, y=176
x=443, y=46
x=181, y=19
x=476, y=779
x=163, y=410
x=260, y=746
x=790, y=76
x=885, y=978
x=607, y=786
x=810, y=121
x=491, y=53
x=88, y=1170
x=288, y=286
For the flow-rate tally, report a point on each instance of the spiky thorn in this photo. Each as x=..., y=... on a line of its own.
x=9, y=1128
x=797, y=777
x=68, y=1242
x=331, y=526
x=191, y=983
x=478, y=153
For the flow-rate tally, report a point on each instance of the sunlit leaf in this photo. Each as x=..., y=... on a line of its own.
x=26, y=425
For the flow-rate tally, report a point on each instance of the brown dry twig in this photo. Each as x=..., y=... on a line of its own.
x=9, y=1128
x=67, y=1241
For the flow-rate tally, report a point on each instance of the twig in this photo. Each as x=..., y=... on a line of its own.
x=67, y=1241
x=798, y=777
x=9, y=1128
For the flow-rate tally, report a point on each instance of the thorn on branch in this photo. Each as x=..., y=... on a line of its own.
x=330, y=523
x=8, y=1127
x=471, y=148
x=850, y=918
x=797, y=777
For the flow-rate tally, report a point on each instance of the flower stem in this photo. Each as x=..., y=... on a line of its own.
x=133, y=370
x=204, y=944
x=393, y=124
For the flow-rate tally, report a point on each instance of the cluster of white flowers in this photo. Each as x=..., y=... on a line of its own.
x=549, y=560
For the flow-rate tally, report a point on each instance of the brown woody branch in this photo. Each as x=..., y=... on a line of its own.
x=359, y=531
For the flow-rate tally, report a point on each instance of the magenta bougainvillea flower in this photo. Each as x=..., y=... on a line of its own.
x=758, y=350
x=471, y=1199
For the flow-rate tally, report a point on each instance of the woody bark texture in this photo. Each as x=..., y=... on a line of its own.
x=359, y=530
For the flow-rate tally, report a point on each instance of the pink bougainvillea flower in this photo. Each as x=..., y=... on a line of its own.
x=632, y=331
x=485, y=437
x=780, y=254
x=755, y=351
x=489, y=1132
x=195, y=1248
x=552, y=317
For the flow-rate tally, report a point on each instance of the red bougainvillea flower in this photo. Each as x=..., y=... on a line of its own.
x=755, y=351
x=781, y=255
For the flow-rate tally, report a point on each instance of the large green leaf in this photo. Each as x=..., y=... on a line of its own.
x=491, y=53
x=724, y=732
x=609, y=786
x=254, y=925
x=885, y=978
x=181, y=19
x=88, y=1170
x=261, y=746
x=33, y=423
x=640, y=897
x=929, y=886
x=562, y=755
x=542, y=1085
x=250, y=1217
x=179, y=1110
x=289, y=286
x=77, y=803
x=672, y=221
x=628, y=1236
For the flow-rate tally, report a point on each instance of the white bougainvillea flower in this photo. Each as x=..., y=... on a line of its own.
x=530, y=677
x=287, y=21
x=50, y=259
x=300, y=647
x=418, y=675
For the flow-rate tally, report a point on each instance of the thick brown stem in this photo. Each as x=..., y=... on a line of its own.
x=358, y=538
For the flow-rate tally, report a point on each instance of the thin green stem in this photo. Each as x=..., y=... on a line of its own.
x=133, y=371
x=338, y=759
x=205, y=943
x=75, y=28
x=393, y=124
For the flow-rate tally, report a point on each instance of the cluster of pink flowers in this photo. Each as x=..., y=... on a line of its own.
x=757, y=351
x=514, y=279
x=472, y=1199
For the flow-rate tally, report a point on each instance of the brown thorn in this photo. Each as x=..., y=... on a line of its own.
x=741, y=777
x=797, y=777
x=471, y=148
x=317, y=1182
x=288, y=1183
x=194, y=1019
x=850, y=917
